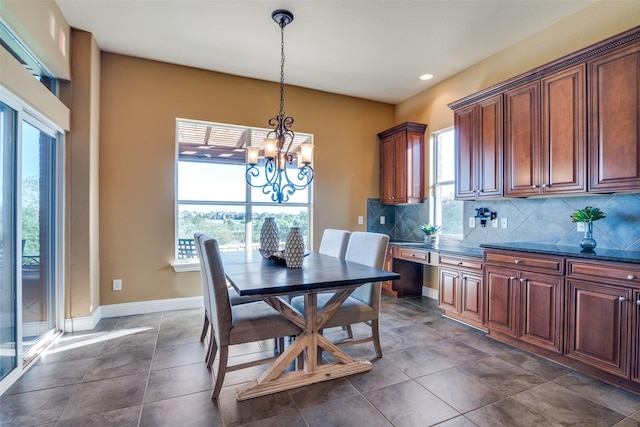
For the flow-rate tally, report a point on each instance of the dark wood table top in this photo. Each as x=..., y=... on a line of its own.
x=250, y=274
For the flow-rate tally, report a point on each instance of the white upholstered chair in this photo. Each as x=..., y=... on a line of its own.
x=363, y=305
x=238, y=324
x=334, y=242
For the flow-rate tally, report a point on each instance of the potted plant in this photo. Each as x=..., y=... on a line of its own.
x=587, y=216
x=430, y=233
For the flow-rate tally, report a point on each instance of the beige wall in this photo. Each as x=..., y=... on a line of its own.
x=597, y=22
x=140, y=101
x=82, y=221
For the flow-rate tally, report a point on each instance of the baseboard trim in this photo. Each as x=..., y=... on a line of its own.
x=153, y=306
x=128, y=309
x=430, y=293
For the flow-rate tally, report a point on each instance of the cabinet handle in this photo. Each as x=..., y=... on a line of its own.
x=517, y=261
x=631, y=277
x=622, y=299
x=460, y=263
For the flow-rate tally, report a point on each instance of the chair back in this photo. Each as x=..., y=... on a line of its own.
x=203, y=275
x=368, y=249
x=219, y=306
x=334, y=242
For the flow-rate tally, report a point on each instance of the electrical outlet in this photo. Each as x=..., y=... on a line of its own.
x=382, y=220
x=503, y=222
x=580, y=226
x=117, y=284
x=494, y=223
x=360, y=220
x=472, y=222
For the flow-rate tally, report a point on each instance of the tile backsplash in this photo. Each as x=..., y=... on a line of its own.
x=537, y=220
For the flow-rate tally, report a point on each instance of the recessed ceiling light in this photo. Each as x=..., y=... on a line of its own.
x=426, y=76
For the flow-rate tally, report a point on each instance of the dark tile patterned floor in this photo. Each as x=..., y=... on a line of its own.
x=148, y=370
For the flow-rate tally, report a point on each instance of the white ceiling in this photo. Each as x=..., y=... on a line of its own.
x=369, y=49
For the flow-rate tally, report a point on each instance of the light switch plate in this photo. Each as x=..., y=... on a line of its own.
x=494, y=223
x=580, y=227
x=383, y=220
x=503, y=222
x=360, y=220
x=472, y=222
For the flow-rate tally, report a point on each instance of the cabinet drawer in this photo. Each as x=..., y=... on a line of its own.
x=628, y=274
x=461, y=261
x=415, y=255
x=536, y=263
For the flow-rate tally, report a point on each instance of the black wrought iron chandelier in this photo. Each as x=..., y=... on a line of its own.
x=278, y=145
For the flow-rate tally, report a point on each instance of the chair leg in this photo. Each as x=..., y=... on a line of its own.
x=205, y=327
x=349, y=331
x=212, y=350
x=222, y=370
x=376, y=338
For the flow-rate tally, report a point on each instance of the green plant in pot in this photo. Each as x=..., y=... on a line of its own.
x=587, y=216
x=430, y=233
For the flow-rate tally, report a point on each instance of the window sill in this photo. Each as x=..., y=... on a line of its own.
x=186, y=266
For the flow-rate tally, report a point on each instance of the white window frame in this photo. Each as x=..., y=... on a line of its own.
x=435, y=209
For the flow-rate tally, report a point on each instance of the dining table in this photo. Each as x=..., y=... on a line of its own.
x=251, y=274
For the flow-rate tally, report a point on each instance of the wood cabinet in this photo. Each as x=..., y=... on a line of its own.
x=635, y=373
x=615, y=114
x=478, y=149
x=387, y=286
x=524, y=297
x=402, y=164
x=460, y=290
x=597, y=332
x=545, y=135
x=408, y=262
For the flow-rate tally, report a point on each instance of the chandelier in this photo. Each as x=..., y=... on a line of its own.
x=278, y=145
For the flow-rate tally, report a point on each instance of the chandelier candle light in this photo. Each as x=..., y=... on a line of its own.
x=278, y=143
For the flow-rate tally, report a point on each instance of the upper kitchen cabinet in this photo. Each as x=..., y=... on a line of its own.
x=402, y=164
x=545, y=135
x=615, y=120
x=478, y=149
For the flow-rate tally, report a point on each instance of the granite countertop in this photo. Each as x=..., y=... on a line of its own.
x=568, y=251
x=454, y=249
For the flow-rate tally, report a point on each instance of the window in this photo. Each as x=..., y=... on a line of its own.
x=446, y=211
x=213, y=196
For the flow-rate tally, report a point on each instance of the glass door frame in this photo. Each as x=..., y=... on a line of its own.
x=25, y=113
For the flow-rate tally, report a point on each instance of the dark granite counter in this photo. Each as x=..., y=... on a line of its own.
x=453, y=249
x=568, y=251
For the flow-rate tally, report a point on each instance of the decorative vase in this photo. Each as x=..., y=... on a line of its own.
x=587, y=243
x=431, y=239
x=269, y=240
x=294, y=248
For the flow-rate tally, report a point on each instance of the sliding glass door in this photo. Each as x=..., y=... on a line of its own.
x=8, y=310
x=38, y=219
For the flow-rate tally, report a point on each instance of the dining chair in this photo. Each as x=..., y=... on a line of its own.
x=234, y=299
x=237, y=324
x=363, y=305
x=334, y=242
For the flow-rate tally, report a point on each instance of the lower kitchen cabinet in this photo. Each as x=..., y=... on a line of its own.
x=598, y=325
x=460, y=292
x=523, y=304
x=635, y=374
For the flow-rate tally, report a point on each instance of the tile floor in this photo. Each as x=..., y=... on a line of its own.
x=148, y=370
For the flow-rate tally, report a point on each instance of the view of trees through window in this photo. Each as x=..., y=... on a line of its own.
x=214, y=197
x=447, y=212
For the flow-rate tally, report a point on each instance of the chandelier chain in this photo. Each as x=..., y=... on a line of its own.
x=282, y=25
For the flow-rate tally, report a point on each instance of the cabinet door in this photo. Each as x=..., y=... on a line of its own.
x=614, y=133
x=448, y=289
x=501, y=299
x=564, y=136
x=522, y=140
x=598, y=324
x=414, y=168
x=541, y=310
x=635, y=375
x=465, y=152
x=387, y=286
x=489, y=162
x=471, y=296
x=387, y=170
x=400, y=168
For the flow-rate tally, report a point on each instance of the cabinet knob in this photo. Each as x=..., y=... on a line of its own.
x=523, y=280
x=631, y=277
x=534, y=186
x=517, y=261
x=460, y=263
x=512, y=278
x=638, y=302
x=622, y=299
x=544, y=185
